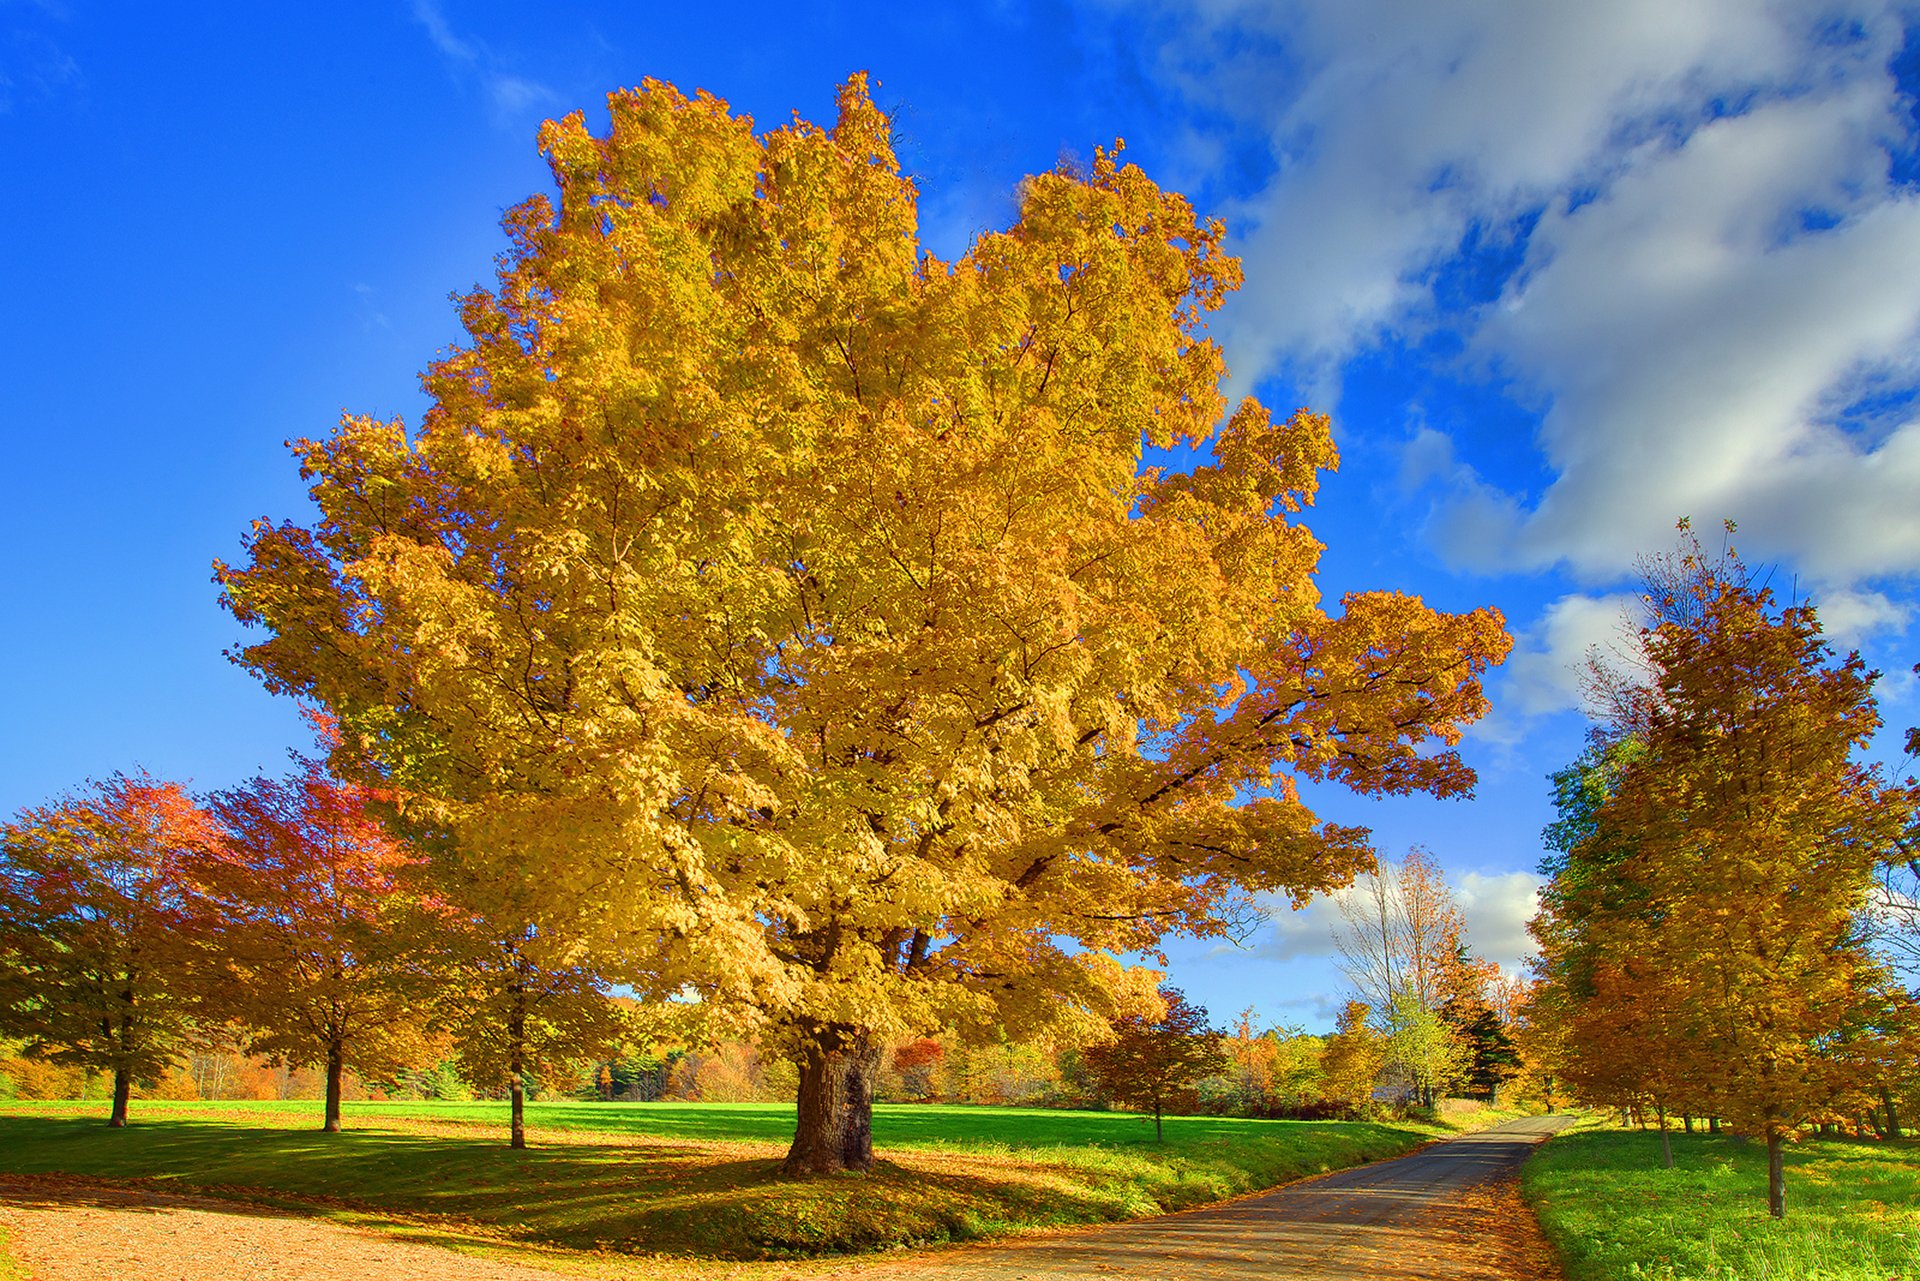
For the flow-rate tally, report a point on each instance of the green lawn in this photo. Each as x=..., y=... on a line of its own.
x=1614, y=1212
x=691, y=1179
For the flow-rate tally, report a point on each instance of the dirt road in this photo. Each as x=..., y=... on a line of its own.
x=1450, y=1212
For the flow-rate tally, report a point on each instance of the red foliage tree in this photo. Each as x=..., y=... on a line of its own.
x=93, y=972
x=1152, y=1058
x=298, y=895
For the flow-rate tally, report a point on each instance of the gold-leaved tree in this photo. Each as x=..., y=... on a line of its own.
x=797, y=606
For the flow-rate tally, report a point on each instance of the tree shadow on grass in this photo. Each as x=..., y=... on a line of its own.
x=715, y=1200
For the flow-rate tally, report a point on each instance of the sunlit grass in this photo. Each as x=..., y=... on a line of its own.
x=694, y=1179
x=1615, y=1212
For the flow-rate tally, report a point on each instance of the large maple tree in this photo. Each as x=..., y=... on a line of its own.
x=804, y=600
x=95, y=969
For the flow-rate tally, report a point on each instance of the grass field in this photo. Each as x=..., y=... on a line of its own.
x=1615, y=1213
x=689, y=1180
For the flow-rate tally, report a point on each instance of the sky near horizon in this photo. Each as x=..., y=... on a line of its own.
x=1562, y=273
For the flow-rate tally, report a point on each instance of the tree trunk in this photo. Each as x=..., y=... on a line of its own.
x=336, y=1067
x=1893, y=1118
x=1666, y=1139
x=517, y=1065
x=834, y=1131
x=1158, y=1137
x=122, y=1091
x=1686, y=1119
x=1713, y=1125
x=1776, y=1173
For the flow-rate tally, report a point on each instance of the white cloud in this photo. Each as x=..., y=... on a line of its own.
x=1850, y=617
x=1720, y=264
x=1549, y=662
x=1692, y=336
x=1301, y=932
x=1497, y=909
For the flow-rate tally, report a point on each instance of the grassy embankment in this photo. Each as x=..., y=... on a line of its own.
x=689, y=1179
x=1616, y=1214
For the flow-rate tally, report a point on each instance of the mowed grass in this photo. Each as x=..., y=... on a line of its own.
x=697, y=1180
x=1614, y=1212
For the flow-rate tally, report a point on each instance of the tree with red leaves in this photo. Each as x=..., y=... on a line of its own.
x=1152, y=1058
x=93, y=971
x=299, y=897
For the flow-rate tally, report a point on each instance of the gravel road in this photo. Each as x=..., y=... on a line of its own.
x=1450, y=1212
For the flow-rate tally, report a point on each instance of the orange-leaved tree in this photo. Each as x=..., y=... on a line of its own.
x=1705, y=948
x=95, y=968
x=310, y=936
x=1355, y=1055
x=801, y=602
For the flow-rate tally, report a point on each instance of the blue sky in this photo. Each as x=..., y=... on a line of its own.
x=1562, y=274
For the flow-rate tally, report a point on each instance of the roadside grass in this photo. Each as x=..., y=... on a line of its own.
x=689, y=1180
x=1616, y=1214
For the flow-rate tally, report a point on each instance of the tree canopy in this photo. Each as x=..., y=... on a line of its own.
x=802, y=602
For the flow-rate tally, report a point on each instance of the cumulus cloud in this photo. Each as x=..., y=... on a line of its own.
x=1301, y=932
x=1712, y=268
x=1549, y=662
x=1693, y=325
x=1850, y=617
x=1496, y=907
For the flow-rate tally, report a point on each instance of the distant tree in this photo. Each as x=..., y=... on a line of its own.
x=1424, y=1046
x=1153, y=1057
x=95, y=971
x=914, y=1064
x=1400, y=928
x=511, y=1002
x=299, y=896
x=1354, y=1057
x=1471, y=1005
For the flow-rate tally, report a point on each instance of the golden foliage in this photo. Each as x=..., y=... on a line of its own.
x=798, y=603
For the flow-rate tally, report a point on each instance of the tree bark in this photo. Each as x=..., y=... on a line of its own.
x=1666, y=1139
x=1776, y=1173
x=517, y=1066
x=834, y=1131
x=336, y=1066
x=122, y=1091
x=1893, y=1118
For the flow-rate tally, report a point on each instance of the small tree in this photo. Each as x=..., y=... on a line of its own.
x=1354, y=1057
x=1424, y=1046
x=299, y=897
x=1150, y=1058
x=508, y=1007
x=93, y=966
